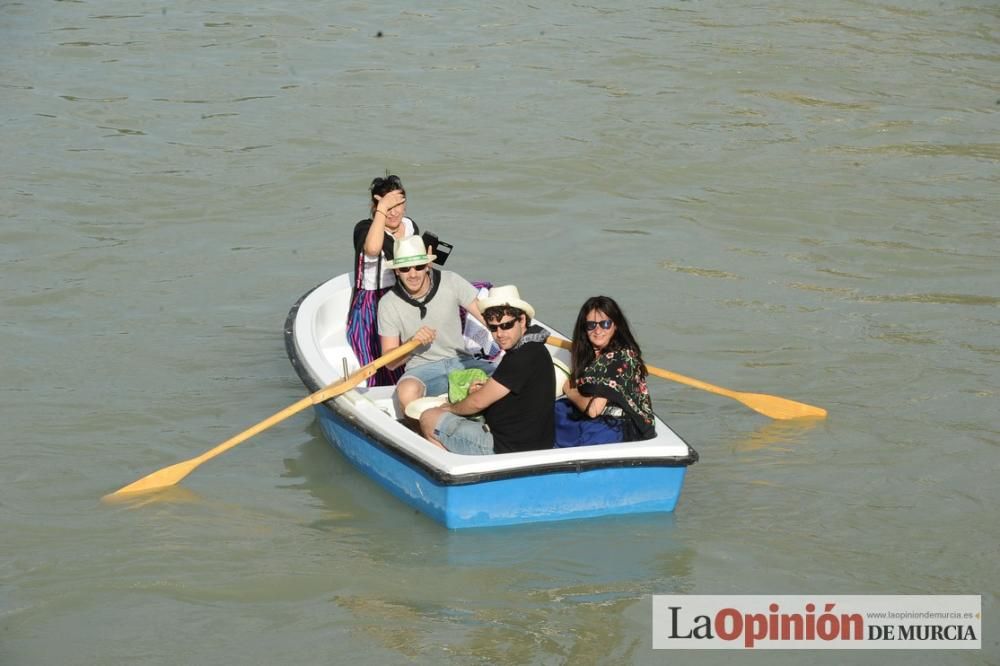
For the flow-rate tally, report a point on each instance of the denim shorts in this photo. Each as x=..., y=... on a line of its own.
x=462, y=435
x=434, y=375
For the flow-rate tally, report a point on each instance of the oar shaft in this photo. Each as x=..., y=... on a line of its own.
x=690, y=381
x=274, y=419
x=769, y=405
x=324, y=394
x=171, y=475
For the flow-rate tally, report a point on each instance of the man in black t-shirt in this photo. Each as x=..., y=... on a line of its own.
x=516, y=401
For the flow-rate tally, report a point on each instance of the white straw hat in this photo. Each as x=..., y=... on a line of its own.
x=410, y=251
x=505, y=295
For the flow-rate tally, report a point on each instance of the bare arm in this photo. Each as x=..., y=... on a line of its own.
x=390, y=342
x=473, y=307
x=593, y=406
x=376, y=233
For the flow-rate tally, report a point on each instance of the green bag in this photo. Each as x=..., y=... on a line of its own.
x=459, y=382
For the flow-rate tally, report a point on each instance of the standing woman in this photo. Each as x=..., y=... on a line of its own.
x=373, y=276
x=607, y=398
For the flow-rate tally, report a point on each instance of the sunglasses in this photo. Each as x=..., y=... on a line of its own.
x=604, y=323
x=507, y=325
x=407, y=269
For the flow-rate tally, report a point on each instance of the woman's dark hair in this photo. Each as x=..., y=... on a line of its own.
x=382, y=186
x=582, y=353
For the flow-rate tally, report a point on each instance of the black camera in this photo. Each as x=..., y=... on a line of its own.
x=438, y=247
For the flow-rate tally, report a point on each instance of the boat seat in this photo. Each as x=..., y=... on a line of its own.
x=562, y=374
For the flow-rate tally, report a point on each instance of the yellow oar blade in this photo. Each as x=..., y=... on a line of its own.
x=780, y=408
x=169, y=476
x=768, y=405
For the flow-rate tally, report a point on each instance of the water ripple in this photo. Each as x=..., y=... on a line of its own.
x=701, y=272
x=988, y=151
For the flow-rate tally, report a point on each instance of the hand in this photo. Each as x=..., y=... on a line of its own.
x=425, y=335
x=389, y=201
x=475, y=386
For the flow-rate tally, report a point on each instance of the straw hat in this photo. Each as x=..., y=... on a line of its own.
x=410, y=251
x=505, y=295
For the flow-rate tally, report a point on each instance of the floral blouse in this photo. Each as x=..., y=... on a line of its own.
x=616, y=376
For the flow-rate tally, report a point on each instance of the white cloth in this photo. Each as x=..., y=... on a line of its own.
x=478, y=339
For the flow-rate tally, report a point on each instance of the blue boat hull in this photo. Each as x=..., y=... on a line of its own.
x=542, y=495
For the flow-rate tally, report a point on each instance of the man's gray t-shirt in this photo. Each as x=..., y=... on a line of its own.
x=397, y=318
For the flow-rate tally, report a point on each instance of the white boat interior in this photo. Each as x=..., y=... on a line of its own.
x=322, y=348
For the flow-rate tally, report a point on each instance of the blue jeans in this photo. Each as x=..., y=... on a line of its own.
x=462, y=435
x=434, y=375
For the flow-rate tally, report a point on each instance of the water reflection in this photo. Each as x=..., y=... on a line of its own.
x=499, y=594
x=776, y=434
x=171, y=495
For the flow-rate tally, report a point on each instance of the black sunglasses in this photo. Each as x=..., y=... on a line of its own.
x=604, y=323
x=507, y=325
x=407, y=269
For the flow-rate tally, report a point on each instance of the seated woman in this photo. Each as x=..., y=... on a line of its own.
x=606, y=396
x=373, y=275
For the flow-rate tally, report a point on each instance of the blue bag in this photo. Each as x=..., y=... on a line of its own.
x=574, y=428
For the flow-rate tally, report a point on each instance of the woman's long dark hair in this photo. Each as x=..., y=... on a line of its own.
x=382, y=186
x=582, y=352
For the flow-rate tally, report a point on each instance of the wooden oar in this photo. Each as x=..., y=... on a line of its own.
x=768, y=405
x=169, y=476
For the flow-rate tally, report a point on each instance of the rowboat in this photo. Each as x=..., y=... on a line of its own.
x=460, y=491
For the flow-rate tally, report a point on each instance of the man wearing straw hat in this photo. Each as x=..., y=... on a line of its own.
x=423, y=305
x=516, y=401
